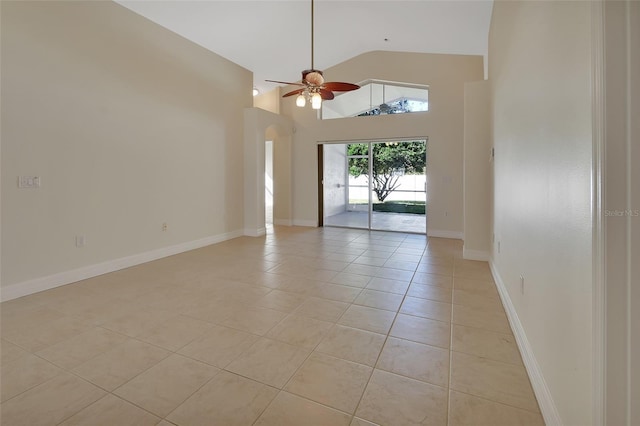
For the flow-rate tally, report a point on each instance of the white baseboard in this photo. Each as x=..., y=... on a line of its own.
x=475, y=254
x=540, y=388
x=312, y=223
x=283, y=222
x=259, y=232
x=437, y=233
x=36, y=285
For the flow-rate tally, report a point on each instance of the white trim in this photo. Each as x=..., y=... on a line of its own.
x=298, y=222
x=475, y=254
x=283, y=222
x=26, y=288
x=540, y=388
x=437, y=233
x=255, y=232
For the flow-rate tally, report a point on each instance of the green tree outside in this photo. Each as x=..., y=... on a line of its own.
x=390, y=161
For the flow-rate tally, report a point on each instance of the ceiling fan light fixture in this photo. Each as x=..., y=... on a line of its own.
x=316, y=101
x=301, y=101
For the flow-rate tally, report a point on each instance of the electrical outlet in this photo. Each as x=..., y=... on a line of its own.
x=498, y=246
x=521, y=284
x=29, y=182
x=80, y=241
x=165, y=226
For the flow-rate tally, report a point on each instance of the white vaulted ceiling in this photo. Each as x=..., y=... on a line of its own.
x=273, y=38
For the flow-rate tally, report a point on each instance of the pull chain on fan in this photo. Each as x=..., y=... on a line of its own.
x=313, y=85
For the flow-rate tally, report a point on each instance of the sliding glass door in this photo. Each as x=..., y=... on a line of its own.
x=375, y=185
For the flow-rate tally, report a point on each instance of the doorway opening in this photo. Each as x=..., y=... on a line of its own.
x=268, y=183
x=375, y=185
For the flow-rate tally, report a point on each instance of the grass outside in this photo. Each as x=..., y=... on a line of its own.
x=410, y=207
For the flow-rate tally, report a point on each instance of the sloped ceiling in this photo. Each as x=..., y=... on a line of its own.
x=273, y=38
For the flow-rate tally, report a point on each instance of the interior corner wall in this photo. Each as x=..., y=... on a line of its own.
x=477, y=170
x=127, y=124
x=259, y=126
x=442, y=124
x=540, y=74
x=269, y=101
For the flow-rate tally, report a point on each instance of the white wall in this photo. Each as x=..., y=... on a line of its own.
x=539, y=68
x=128, y=125
x=335, y=179
x=443, y=125
x=477, y=170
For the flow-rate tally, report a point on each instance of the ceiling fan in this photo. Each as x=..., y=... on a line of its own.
x=313, y=86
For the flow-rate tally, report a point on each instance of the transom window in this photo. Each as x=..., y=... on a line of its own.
x=377, y=97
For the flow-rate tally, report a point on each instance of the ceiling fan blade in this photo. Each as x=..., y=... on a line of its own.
x=285, y=82
x=293, y=92
x=336, y=86
x=327, y=95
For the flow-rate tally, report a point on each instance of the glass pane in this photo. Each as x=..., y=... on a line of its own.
x=343, y=193
x=399, y=186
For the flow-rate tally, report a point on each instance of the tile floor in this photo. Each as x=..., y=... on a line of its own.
x=306, y=326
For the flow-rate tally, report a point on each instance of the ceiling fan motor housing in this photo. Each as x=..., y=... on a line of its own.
x=313, y=77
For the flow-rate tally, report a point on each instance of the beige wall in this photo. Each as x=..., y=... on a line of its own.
x=477, y=170
x=539, y=68
x=127, y=124
x=443, y=125
x=269, y=101
x=260, y=126
x=622, y=209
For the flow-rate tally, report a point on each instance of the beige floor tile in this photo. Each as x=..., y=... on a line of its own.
x=23, y=374
x=371, y=261
x=379, y=300
x=120, y=364
x=468, y=410
x=10, y=352
x=352, y=280
x=227, y=399
x=255, y=320
x=215, y=311
x=291, y=410
x=363, y=269
x=432, y=279
x=330, y=381
x=394, y=274
x=281, y=301
x=415, y=360
x=486, y=344
x=70, y=353
x=476, y=287
x=167, y=384
x=111, y=410
x=428, y=268
x=431, y=292
x=420, y=404
x=370, y=319
x=402, y=265
x=493, y=380
x=436, y=260
x=483, y=274
x=360, y=422
x=269, y=362
x=388, y=285
x=300, y=331
x=480, y=318
x=36, y=335
x=341, y=293
x=352, y=344
x=466, y=298
x=50, y=402
x=140, y=322
x=176, y=332
x=322, y=309
x=426, y=308
x=219, y=346
x=422, y=330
